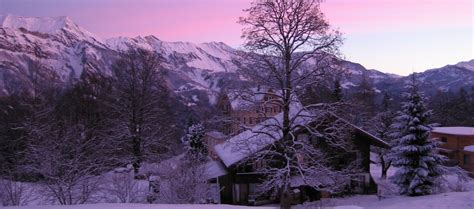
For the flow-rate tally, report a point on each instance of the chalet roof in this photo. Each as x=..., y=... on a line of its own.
x=251, y=141
x=216, y=134
x=373, y=139
x=266, y=133
x=214, y=169
x=211, y=169
x=461, y=131
x=469, y=148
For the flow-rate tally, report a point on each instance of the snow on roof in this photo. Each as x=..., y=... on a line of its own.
x=464, y=131
x=216, y=134
x=212, y=168
x=469, y=148
x=251, y=141
x=215, y=169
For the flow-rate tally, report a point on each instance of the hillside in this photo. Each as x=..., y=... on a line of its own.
x=63, y=52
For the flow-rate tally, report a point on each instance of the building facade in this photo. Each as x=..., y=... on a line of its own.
x=244, y=110
x=457, y=145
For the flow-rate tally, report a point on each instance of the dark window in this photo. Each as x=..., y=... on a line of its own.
x=467, y=160
x=250, y=120
x=245, y=120
x=444, y=139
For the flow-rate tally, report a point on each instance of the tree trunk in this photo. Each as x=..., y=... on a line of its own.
x=385, y=166
x=285, y=199
x=136, y=155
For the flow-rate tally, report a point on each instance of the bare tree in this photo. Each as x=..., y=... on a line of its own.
x=15, y=193
x=381, y=126
x=66, y=158
x=139, y=106
x=185, y=184
x=125, y=188
x=64, y=148
x=291, y=46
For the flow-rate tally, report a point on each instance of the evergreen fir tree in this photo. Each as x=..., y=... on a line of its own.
x=419, y=164
x=194, y=140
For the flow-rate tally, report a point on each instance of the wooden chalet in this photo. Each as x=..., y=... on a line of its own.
x=238, y=184
x=457, y=145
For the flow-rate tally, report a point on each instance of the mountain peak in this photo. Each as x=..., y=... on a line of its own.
x=49, y=25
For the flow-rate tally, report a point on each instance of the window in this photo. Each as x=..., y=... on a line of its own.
x=467, y=160
x=250, y=120
x=444, y=139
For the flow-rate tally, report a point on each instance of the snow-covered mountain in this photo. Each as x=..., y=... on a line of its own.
x=467, y=65
x=193, y=66
x=449, y=78
x=52, y=48
x=65, y=52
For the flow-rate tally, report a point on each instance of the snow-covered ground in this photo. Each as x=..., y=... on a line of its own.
x=139, y=206
x=451, y=200
x=390, y=200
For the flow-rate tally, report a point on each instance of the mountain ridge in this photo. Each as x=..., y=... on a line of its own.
x=70, y=52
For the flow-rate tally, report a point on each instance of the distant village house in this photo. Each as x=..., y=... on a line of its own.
x=457, y=145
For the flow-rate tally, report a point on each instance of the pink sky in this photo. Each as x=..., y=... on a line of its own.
x=382, y=34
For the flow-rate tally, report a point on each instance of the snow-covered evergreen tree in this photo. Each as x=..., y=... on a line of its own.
x=194, y=139
x=414, y=151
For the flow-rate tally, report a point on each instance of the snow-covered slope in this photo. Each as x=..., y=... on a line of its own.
x=448, y=78
x=467, y=65
x=212, y=56
x=62, y=27
x=53, y=49
x=67, y=52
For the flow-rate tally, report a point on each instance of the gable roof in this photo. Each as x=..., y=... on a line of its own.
x=461, y=131
x=266, y=133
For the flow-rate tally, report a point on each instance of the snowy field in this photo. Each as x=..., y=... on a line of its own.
x=138, y=206
x=451, y=200
x=390, y=200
